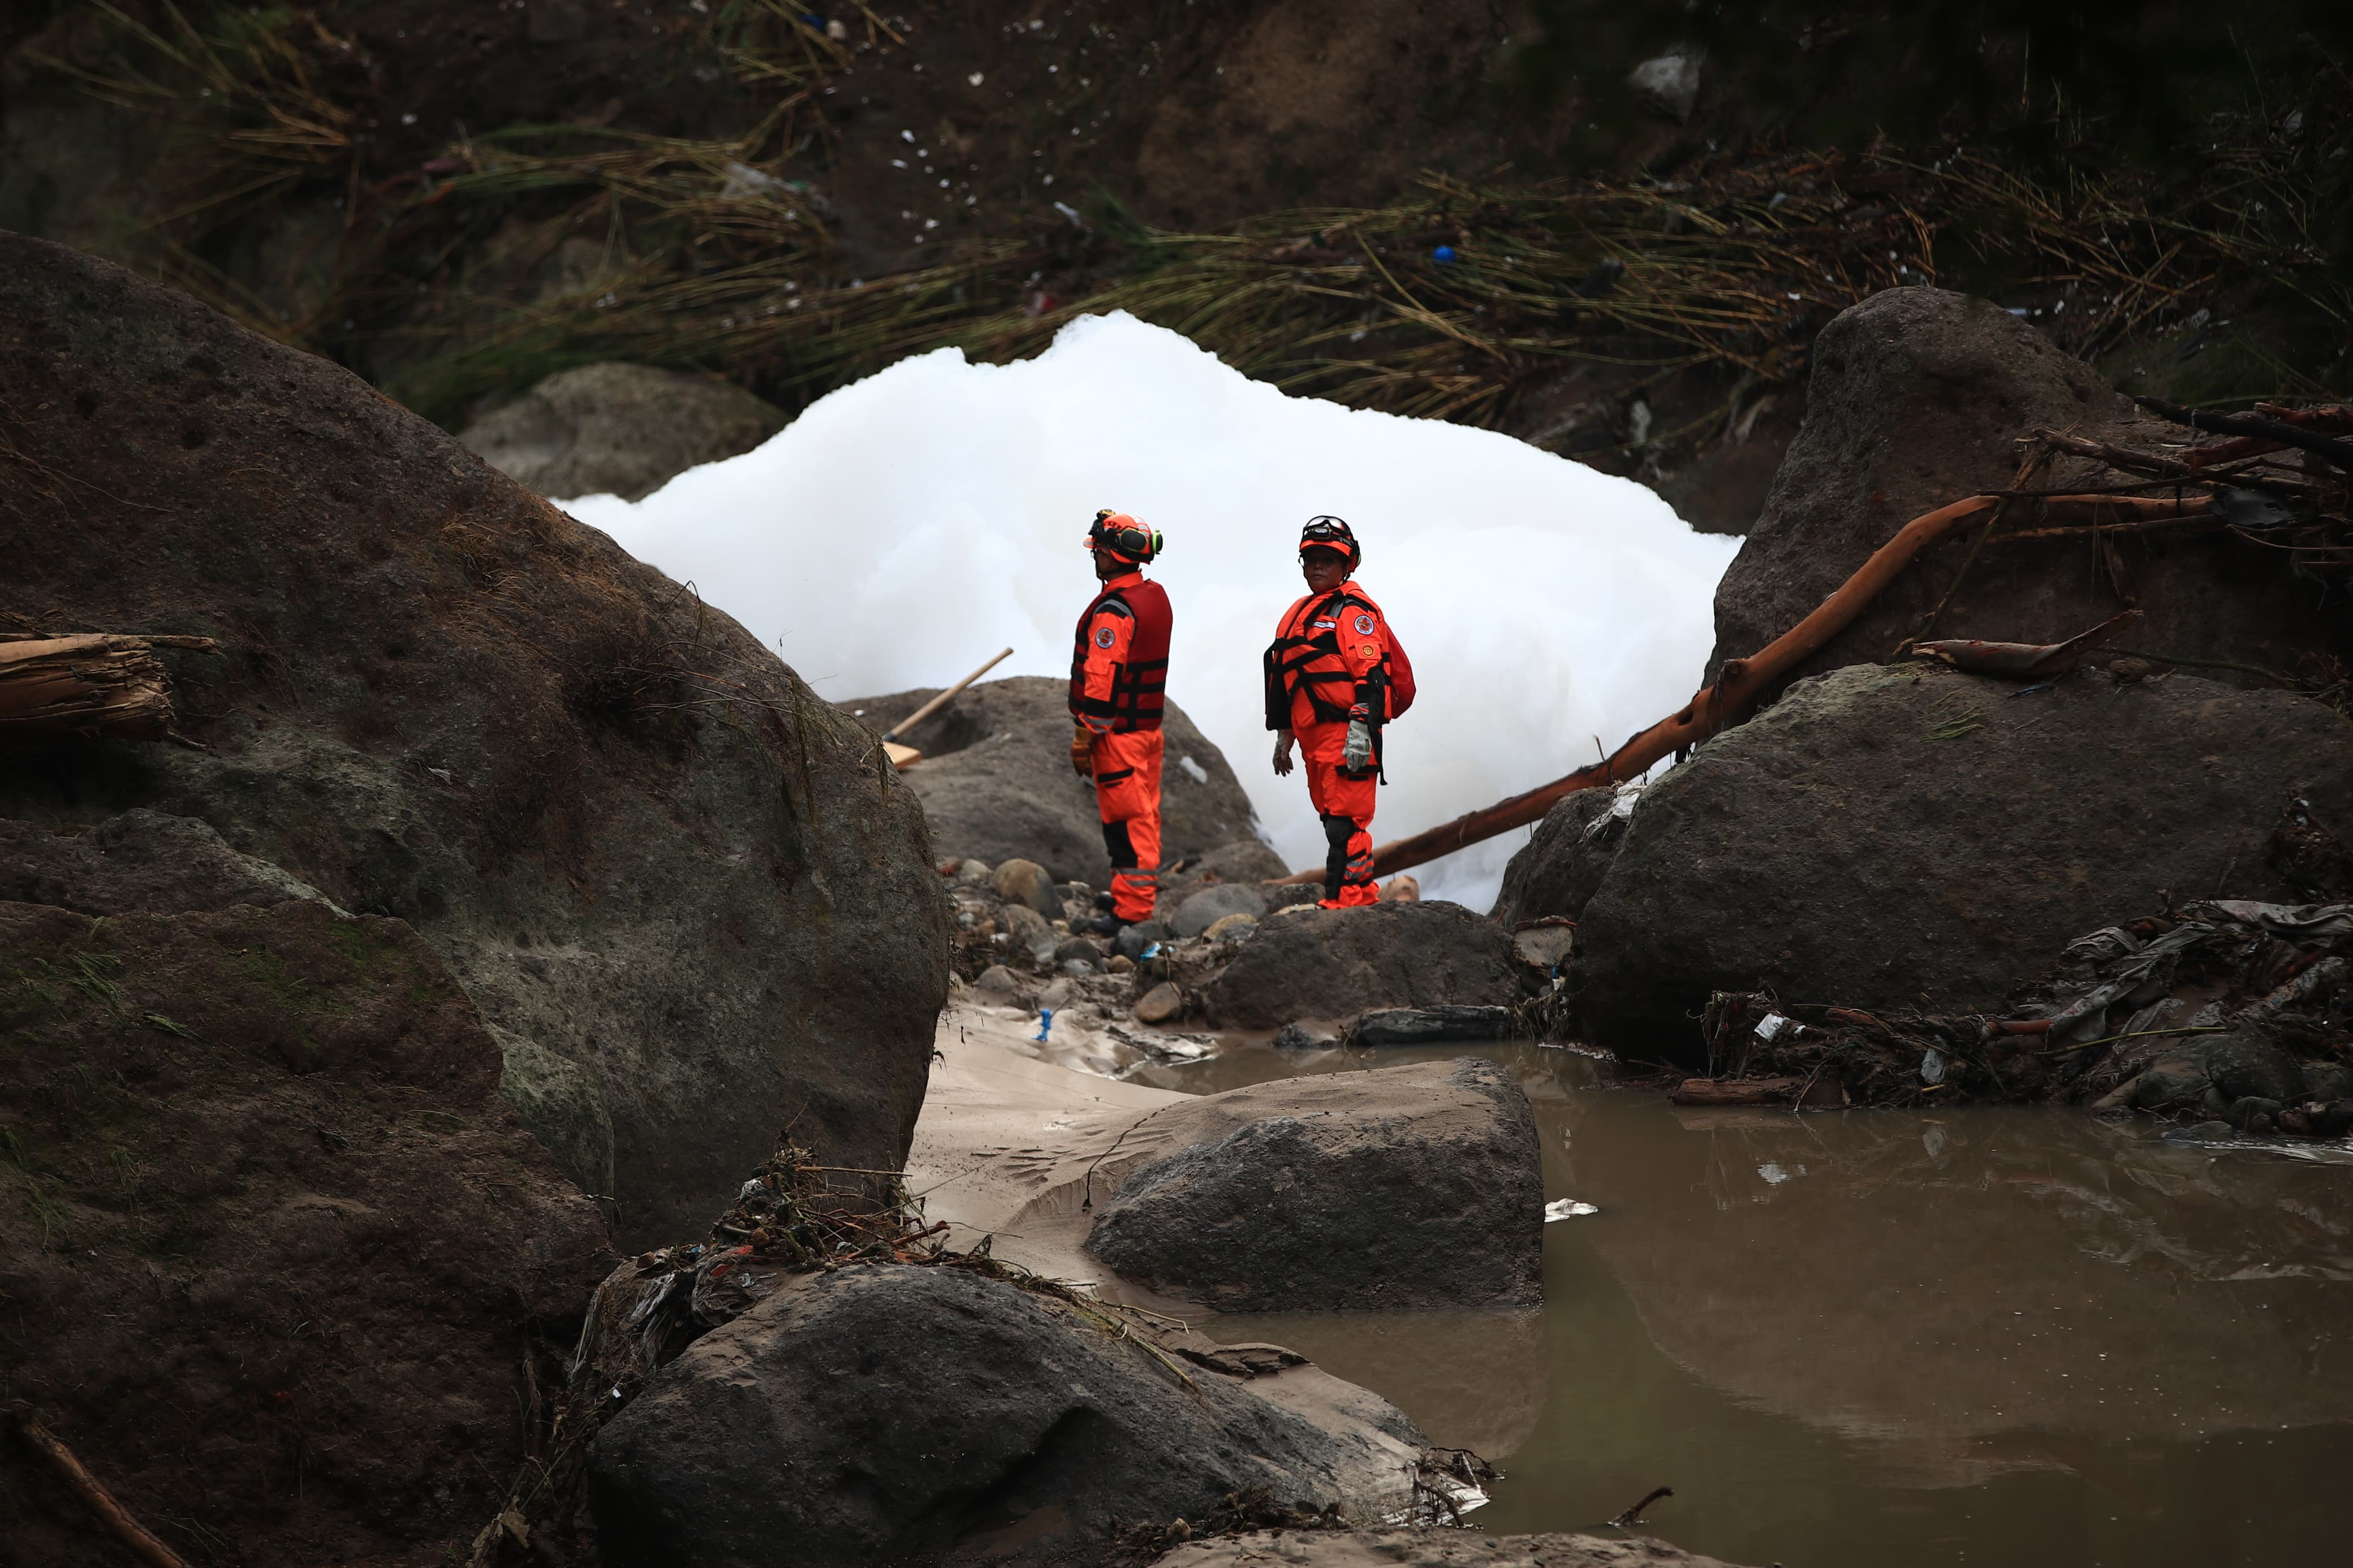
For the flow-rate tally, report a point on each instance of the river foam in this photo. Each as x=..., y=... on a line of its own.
x=906, y=526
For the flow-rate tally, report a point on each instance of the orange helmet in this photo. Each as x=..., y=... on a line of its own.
x=1124, y=536
x=1331, y=533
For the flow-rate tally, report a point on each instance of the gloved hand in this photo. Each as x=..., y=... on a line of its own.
x=1359, y=752
x=1082, y=752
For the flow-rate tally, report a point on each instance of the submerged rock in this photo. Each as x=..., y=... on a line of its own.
x=1432, y=1026
x=1430, y=1548
x=996, y=779
x=1336, y=963
x=1916, y=839
x=900, y=1414
x=1418, y=1186
x=635, y=837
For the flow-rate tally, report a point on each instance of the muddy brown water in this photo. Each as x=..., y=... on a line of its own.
x=1866, y=1338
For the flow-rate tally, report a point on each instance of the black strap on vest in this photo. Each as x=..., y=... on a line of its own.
x=1286, y=670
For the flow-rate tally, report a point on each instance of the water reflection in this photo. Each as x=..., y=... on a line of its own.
x=1871, y=1337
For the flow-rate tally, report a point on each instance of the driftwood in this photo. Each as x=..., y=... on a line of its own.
x=1737, y=685
x=1757, y=1092
x=97, y=1498
x=2024, y=661
x=94, y=685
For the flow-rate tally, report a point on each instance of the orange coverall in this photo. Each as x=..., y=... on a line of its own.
x=1126, y=763
x=1331, y=649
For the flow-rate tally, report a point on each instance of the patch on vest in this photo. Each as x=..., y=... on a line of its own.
x=1363, y=625
x=1103, y=636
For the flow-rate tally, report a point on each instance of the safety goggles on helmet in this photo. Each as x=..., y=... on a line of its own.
x=1330, y=533
x=1123, y=536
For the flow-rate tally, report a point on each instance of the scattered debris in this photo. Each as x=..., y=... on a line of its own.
x=1568, y=1208
x=2220, y=1011
x=1633, y=1516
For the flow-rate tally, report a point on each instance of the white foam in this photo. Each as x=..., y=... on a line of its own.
x=906, y=528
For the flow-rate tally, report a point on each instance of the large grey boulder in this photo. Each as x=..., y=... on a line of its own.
x=1416, y=1186
x=637, y=839
x=898, y=1414
x=1919, y=396
x=1407, y=1548
x=1557, y=870
x=996, y=779
x=1337, y=964
x=619, y=429
x=139, y=861
x=1910, y=836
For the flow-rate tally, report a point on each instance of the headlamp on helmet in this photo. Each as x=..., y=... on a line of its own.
x=1329, y=533
x=1123, y=536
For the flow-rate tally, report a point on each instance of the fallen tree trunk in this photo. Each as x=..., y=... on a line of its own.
x=1712, y=707
x=94, y=685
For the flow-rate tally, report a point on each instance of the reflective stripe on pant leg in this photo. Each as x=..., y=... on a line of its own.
x=1356, y=880
x=1135, y=890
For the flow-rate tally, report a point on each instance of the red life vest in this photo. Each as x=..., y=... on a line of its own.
x=1303, y=658
x=1137, y=691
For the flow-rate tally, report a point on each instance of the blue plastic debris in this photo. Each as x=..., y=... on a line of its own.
x=1442, y=255
x=1045, y=1022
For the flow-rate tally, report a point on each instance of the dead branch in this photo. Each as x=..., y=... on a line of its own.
x=101, y=1502
x=2340, y=453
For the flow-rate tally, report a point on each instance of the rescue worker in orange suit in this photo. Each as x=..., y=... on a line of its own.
x=1119, y=670
x=1326, y=690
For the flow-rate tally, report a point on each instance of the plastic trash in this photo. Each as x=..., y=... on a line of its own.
x=1931, y=1065
x=1773, y=1025
x=1045, y=1022
x=1567, y=1208
x=1443, y=255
